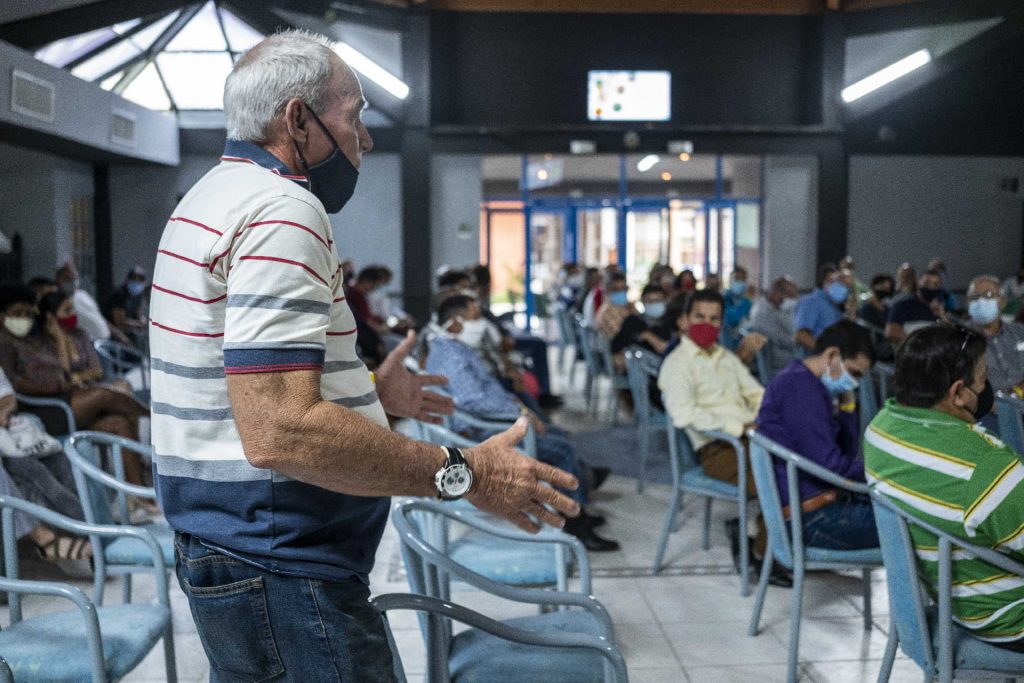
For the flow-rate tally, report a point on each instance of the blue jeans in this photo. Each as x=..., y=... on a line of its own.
x=847, y=524
x=256, y=625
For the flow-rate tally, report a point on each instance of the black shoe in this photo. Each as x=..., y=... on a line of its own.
x=550, y=401
x=732, y=532
x=779, y=576
x=591, y=541
x=600, y=474
x=593, y=521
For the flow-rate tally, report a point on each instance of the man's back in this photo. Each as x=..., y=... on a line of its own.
x=815, y=312
x=962, y=480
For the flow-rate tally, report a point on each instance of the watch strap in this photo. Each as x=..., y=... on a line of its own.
x=455, y=456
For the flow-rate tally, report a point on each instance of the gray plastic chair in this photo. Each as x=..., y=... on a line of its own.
x=926, y=635
x=93, y=642
x=689, y=477
x=568, y=342
x=1011, y=426
x=867, y=401
x=119, y=556
x=497, y=550
x=619, y=382
x=785, y=540
x=592, y=363
x=641, y=369
x=44, y=402
x=884, y=374
x=589, y=653
x=119, y=359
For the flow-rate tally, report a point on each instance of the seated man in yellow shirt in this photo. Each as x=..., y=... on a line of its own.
x=706, y=387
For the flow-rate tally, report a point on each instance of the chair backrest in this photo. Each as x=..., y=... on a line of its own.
x=867, y=401
x=604, y=347
x=638, y=380
x=119, y=359
x=884, y=373
x=1011, y=425
x=591, y=354
x=566, y=325
x=681, y=455
x=763, y=467
x=906, y=601
x=85, y=450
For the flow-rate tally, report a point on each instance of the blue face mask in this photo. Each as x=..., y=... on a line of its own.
x=333, y=180
x=983, y=311
x=839, y=385
x=838, y=293
x=619, y=298
x=135, y=288
x=738, y=288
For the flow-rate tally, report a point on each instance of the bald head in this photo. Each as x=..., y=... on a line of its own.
x=981, y=285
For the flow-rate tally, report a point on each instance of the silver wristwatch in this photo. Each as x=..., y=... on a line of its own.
x=454, y=479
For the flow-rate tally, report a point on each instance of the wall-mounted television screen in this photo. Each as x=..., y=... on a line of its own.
x=629, y=96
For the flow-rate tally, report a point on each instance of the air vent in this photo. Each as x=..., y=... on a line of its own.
x=122, y=128
x=32, y=96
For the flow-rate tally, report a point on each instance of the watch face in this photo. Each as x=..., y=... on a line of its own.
x=456, y=480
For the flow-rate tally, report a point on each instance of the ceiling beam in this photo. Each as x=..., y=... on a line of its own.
x=34, y=32
x=636, y=6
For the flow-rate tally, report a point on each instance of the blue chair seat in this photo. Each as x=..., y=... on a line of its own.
x=53, y=647
x=695, y=477
x=130, y=551
x=478, y=657
x=974, y=654
x=512, y=563
x=865, y=556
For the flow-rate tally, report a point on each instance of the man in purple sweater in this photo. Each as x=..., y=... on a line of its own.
x=810, y=408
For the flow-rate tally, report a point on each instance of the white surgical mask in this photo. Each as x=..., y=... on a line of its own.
x=473, y=332
x=983, y=311
x=654, y=310
x=18, y=326
x=788, y=305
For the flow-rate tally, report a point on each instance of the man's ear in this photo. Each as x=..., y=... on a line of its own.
x=954, y=394
x=296, y=119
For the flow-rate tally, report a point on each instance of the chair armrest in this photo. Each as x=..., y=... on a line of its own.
x=741, y=454
x=101, y=476
x=49, y=588
x=807, y=466
x=421, y=603
x=478, y=520
x=45, y=402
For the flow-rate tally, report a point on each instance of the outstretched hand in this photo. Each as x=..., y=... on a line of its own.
x=405, y=394
x=518, y=488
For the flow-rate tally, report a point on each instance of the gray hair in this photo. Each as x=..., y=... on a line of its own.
x=285, y=65
x=992, y=279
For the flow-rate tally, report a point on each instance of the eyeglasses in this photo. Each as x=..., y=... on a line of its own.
x=991, y=294
x=969, y=334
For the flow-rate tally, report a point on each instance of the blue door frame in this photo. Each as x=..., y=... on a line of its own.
x=569, y=207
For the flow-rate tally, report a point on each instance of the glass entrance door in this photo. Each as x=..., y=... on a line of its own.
x=547, y=230
x=647, y=242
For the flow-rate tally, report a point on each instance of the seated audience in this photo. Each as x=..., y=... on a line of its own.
x=42, y=286
x=859, y=289
x=906, y=281
x=56, y=546
x=772, y=316
x=713, y=283
x=811, y=408
x=591, y=280
x=126, y=306
x=35, y=460
x=927, y=454
x=570, y=282
x=919, y=310
x=706, y=387
x=1013, y=290
x=663, y=276
x=89, y=316
x=44, y=354
x=686, y=281
x=597, y=296
x=737, y=307
x=821, y=308
x=616, y=307
x=1004, y=353
x=948, y=298
x=647, y=329
x=875, y=310
x=475, y=390
x=358, y=293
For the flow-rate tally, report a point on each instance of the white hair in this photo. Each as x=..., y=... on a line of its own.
x=289, y=64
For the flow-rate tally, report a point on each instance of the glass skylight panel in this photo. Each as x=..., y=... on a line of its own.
x=147, y=90
x=147, y=36
x=110, y=82
x=201, y=34
x=195, y=80
x=111, y=58
x=67, y=50
x=125, y=26
x=241, y=36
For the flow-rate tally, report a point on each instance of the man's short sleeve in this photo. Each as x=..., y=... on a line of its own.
x=806, y=315
x=280, y=272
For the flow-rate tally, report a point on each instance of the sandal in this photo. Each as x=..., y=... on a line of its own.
x=64, y=548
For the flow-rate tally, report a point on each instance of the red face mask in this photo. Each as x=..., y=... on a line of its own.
x=703, y=335
x=68, y=322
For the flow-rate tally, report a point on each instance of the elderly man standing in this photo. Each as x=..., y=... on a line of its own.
x=274, y=456
x=1004, y=353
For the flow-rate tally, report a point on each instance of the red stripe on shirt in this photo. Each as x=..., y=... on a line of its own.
x=181, y=258
x=218, y=257
x=284, y=260
x=340, y=298
x=187, y=334
x=342, y=334
x=294, y=225
x=190, y=298
x=197, y=224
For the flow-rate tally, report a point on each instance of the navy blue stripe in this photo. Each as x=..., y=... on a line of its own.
x=278, y=303
x=252, y=358
x=212, y=372
x=186, y=413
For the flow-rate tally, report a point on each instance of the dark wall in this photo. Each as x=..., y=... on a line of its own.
x=492, y=69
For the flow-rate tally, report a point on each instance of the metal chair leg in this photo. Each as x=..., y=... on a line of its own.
x=670, y=518
x=796, y=600
x=645, y=451
x=170, y=660
x=706, y=541
x=744, y=553
x=866, y=581
x=762, y=588
x=890, y=655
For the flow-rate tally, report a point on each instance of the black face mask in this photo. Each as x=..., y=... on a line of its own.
x=986, y=399
x=882, y=294
x=928, y=294
x=333, y=180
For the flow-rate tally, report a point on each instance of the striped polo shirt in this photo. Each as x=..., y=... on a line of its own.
x=247, y=280
x=963, y=480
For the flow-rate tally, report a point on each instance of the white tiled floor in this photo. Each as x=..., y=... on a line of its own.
x=687, y=626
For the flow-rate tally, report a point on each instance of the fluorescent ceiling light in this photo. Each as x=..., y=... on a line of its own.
x=886, y=75
x=647, y=163
x=372, y=70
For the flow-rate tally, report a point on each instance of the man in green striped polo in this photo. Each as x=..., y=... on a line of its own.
x=926, y=452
